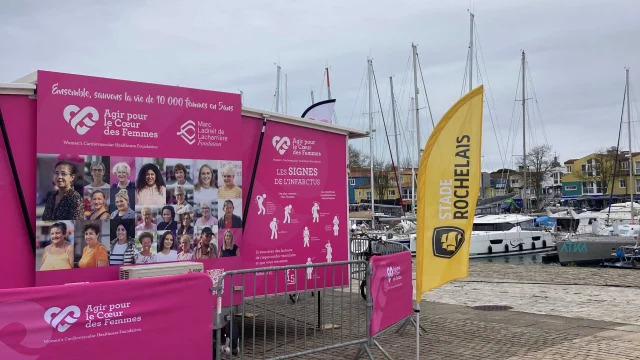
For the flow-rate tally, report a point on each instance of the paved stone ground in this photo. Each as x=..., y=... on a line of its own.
x=532, y=330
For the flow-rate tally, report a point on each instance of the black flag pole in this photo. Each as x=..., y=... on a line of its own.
x=253, y=174
x=16, y=180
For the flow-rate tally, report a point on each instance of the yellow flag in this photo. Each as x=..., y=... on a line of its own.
x=448, y=186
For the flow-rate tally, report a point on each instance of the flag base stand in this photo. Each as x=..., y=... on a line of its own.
x=411, y=320
x=366, y=349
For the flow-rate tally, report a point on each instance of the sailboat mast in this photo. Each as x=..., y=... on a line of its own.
x=278, y=90
x=413, y=174
x=395, y=124
x=415, y=84
x=471, y=51
x=328, y=84
x=371, y=130
x=312, y=99
x=631, y=183
x=524, y=139
x=286, y=96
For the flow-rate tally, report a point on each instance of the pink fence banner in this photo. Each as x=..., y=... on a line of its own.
x=391, y=290
x=130, y=319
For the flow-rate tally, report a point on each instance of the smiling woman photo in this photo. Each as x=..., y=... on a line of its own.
x=66, y=203
x=205, y=189
x=99, y=204
x=58, y=255
x=166, y=248
x=150, y=187
x=123, y=209
x=94, y=254
x=145, y=256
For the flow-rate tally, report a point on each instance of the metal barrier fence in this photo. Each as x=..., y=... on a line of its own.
x=364, y=247
x=327, y=312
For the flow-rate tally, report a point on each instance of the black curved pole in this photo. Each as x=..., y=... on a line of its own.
x=253, y=175
x=16, y=180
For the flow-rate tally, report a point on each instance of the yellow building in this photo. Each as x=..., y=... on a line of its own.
x=590, y=176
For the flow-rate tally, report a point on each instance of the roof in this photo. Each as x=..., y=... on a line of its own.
x=571, y=161
x=26, y=85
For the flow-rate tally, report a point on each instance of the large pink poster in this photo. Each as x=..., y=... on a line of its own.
x=298, y=212
x=391, y=290
x=129, y=319
x=134, y=173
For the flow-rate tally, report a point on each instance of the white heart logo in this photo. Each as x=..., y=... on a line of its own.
x=81, y=120
x=281, y=144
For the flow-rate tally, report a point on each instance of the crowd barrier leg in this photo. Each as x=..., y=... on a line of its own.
x=412, y=321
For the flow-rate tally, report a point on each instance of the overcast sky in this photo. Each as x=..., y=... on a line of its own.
x=576, y=52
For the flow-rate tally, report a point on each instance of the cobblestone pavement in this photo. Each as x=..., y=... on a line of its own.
x=588, y=293
x=558, y=313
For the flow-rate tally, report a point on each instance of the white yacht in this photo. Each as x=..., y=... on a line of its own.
x=499, y=235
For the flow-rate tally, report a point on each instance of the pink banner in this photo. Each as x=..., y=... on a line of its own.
x=143, y=204
x=391, y=290
x=106, y=320
x=298, y=211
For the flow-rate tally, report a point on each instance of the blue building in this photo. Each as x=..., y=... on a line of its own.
x=357, y=178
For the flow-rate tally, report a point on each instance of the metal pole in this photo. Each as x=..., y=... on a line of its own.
x=631, y=183
x=328, y=84
x=286, y=95
x=413, y=174
x=415, y=84
x=471, y=51
x=524, y=139
x=278, y=90
x=395, y=125
x=312, y=100
x=371, y=131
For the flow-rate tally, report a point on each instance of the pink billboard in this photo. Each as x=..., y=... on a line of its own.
x=101, y=320
x=160, y=191
x=392, y=278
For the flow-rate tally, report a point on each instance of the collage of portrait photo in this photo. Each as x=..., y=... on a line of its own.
x=102, y=210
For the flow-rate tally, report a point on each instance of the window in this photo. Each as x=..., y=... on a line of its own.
x=571, y=188
x=391, y=192
x=623, y=183
x=359, y=193
x=352, y=181
x=515, y=182
x=624, y=165
x=637, y=168
x=368, y=195
x=569, y=168
x=637, y=185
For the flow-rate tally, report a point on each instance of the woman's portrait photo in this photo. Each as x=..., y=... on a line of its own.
x=167, y=246
x=229, y=215
x=185, y=224
x=60, y=185
x=123, y=243
x=96, y=203
x=96, y=172
x=123, y=177
x=168, y=219
x=180, y=172
x=185, y=248
x=229, y=240
x=58, y=255
x=150, y=185
x=146, y=247
x=206, y=185
x=146, y=219
x=123, y=208
x=180, y=197
x=230, y=180
x=206, y=214
x=92, y=243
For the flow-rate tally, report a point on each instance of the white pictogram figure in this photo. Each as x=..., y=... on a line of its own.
x=61, y=319
x=287, y=214
x=274, y=228
x=309, y=269
x=305, y=235
x=188, y=132
x=335, y=225
x=260, y=199
x=329, y=251
x=281, y=144
x=81, y=120
x=314, y=211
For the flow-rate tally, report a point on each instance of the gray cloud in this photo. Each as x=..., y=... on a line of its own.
x=576, y=51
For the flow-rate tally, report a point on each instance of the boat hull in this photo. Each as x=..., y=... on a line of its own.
x=591, y=250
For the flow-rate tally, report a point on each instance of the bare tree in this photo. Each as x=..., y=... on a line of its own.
x=599, y=168
x=540, y=162
x=356, y=158
x=382, y=176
